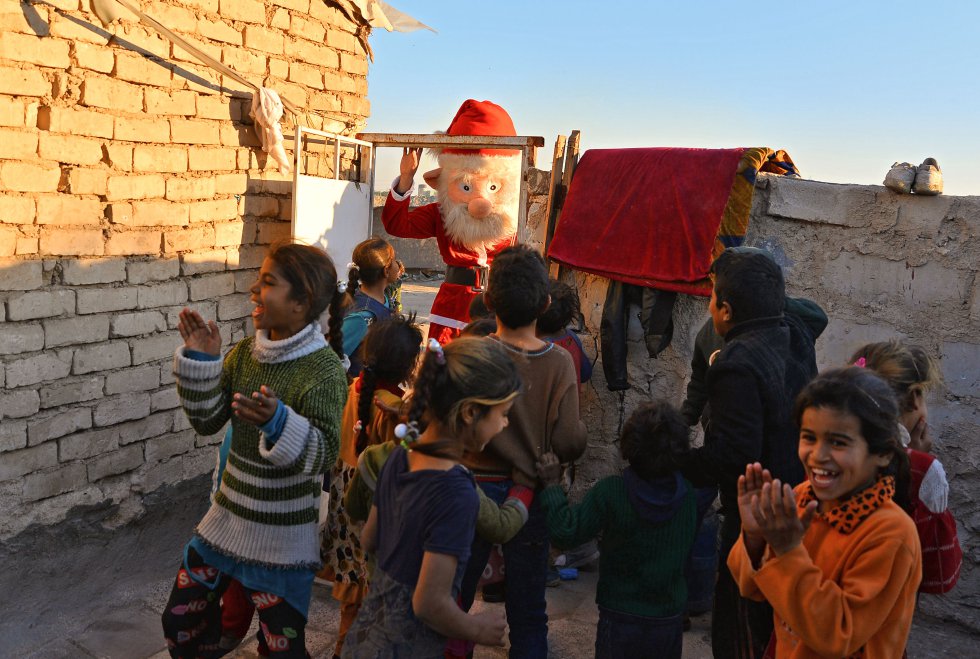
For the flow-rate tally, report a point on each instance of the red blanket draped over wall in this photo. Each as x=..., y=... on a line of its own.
x=646, y=216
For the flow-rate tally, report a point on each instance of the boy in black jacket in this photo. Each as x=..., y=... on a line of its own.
x=767, y=358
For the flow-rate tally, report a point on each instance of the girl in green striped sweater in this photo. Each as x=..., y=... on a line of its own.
x=284, y=392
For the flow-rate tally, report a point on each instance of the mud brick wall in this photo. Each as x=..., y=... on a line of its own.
x=882, y=265
x=132, y=184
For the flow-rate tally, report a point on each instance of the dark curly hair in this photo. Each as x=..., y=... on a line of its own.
x=517, y=287
x=655, y=440
x=391, y=350
x=564, y=308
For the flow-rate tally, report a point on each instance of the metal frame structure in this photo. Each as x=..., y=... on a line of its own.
x=527, y=145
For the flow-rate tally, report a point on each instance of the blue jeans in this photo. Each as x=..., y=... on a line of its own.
x=525, y=571
x=624, y=636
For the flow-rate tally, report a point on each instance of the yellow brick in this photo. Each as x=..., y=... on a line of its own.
x=206, y=5
x=292, y=92
x=337, y=81
x=243, y=61
x=328, y=15
x=302, y=26
x=189, y=131
x=70, y=149
x=181, y=55
x=212, y=160
x=264, y=39
x=280, y=19
x=305, y=74
x=8, y=240
x=230, y=183
x=145, y=40
x=112, y=94
x=17, y=144
x=120, y=156
x=133, y=242
x=157, y=101
x=141, y=130
x=73, y=30
x=239, y=135
x=313, y=53
x=213, y=107
x=16, y=17
x=12, y=112
x=27, y=245
x=324, y=102
x=34, y=50
x=74, y=122
x=355, y=105
x=87, y=181
x=176, y=18
x=30, y=177
x=278, y=68
x=72, y=242
x=16, y=210
x=135, y=68
x=64, y=209
x=201, y=237
x=94, y=58
x=23, y=82
x=272, y=232
x=356, y=64
x=159, y=159
x=250, y=11
x=219, y=31
x=159, y=213
x=134, y=187
x=227, y=234
x=183, y=189
x=214, y=210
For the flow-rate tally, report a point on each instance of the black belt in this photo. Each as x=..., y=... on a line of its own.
x=475, y=276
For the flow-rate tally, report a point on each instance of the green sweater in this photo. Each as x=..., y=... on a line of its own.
x=496, y=524
x=641, y=564
x=265, y=510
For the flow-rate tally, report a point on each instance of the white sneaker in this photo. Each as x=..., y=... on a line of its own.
x=900, y=177
x=928, y=178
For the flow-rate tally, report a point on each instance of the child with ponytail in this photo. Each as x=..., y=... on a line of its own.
x=838, y=558
x=912, y=374
x=421, y=524
x=372, y=270
x=390, y=352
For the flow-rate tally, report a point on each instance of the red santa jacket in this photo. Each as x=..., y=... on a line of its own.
x=451, y=306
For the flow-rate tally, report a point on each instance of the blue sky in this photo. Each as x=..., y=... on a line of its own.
x=847, y=88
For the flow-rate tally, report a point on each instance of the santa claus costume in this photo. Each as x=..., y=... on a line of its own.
x=475, y=217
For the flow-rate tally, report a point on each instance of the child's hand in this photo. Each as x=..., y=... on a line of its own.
x=398, y=412
x=258, y=409
x=492, y=626
x=549, y=469
x=407, y=168
x=775, y=513
x=198, y=335
x=749, y=486
x=919, y=437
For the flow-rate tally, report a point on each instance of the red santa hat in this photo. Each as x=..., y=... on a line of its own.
x=477, y=118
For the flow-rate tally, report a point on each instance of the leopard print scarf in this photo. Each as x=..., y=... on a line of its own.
x=850, y=513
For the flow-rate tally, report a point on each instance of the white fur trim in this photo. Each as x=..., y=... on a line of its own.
x=400, y=197
x=447, y=322
x=934, y=491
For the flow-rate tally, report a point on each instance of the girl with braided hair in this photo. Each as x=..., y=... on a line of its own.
x=421, y=524
x=372, y=270
x=390, y=353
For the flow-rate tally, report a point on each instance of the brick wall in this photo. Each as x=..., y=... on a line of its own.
x=882, y=265
x=131, y=185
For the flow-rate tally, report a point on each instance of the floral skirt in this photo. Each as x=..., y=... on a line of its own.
x=341, y=546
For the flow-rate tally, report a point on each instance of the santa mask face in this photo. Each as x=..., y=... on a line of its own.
x=479, y=198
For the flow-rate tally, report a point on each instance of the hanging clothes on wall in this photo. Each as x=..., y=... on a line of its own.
x=656, y=219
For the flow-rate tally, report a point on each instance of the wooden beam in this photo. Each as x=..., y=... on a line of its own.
x=554, y=190
x=571, y=161
x=429, y=141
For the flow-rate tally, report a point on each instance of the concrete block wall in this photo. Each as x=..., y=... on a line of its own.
x=132, y=184
x=882, y=265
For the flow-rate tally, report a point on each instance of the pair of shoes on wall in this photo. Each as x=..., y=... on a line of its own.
x=926, y=179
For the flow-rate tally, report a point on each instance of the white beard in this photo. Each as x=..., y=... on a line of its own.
x=471, y=232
